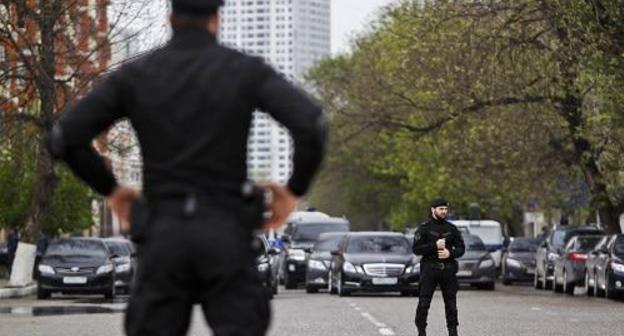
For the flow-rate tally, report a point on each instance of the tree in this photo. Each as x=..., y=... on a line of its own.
x=496, y=101
x=54, y=49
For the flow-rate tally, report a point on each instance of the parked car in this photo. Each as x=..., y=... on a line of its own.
x=476, y=267
x=76, y=265
x=518, y=261
x=374, y=262
x=299, y=243
x=570, y=268
x=489, y=231
x=317, y=271
x=552, y=248
x=265, y=264
x=125, y=262
x=607, y=276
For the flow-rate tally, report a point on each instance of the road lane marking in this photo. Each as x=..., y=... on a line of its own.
x=382, y=328
x=536, y=308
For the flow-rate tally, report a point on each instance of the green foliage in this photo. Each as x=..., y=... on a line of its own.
x=479, y=102
x=71, y=204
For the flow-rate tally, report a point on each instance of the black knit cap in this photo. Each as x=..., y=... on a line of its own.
x=439, y=202
x=196, y=7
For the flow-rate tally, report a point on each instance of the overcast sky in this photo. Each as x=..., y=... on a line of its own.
x=352, y=16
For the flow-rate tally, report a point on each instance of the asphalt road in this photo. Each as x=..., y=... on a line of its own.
x=516, y=310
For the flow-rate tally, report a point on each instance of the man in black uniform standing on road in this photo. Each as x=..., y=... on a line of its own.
x=439, y=243
x=191, y=103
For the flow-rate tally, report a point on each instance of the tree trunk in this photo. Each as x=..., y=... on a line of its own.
x=45, y=179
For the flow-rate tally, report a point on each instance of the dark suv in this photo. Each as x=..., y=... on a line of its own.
x=553, y=248
x=299, y=246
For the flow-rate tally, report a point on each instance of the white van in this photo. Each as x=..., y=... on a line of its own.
x=490, y=231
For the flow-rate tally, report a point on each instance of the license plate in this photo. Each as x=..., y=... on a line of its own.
x=385, y=281
x=464, y=273
x=75, y=280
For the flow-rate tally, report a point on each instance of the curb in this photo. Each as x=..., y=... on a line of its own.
x=17, y=292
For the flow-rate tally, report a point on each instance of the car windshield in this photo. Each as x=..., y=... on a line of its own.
x=488, y=234
x=562, y=237
x=585, y=244
x=524, y=245
x=618, y=247
x=474, y=243
x=327, y=244
x=78, y=248
x=310, y=232
x=118, y=248
x=378, y=244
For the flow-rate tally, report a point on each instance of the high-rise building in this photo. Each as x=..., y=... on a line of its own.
x=291, y=35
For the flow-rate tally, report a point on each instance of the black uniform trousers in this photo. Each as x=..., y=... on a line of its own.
x=203, y=256
x=432, y=274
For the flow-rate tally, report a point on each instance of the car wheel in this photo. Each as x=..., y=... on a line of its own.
x=506, y=280
x=556, y=287
x=406, y=293
x=341, y=290
x=43, y=294
x=536, y=281
x=568, y=287
x=610, y=292
x=488, y=286
x=545, y=283
x=589, y=290
x=110, y=294
x=311, y=290
x=598, y=292
x=288, y=282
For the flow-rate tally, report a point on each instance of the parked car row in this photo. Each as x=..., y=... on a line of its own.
x=568, y=257
x=86, y=266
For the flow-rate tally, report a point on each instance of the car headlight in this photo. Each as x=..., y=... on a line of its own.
x=105, y=269
x=348, y=267
x=263, y=267
x=316, y=264
x=122, y=268
x=45, y=269
x=514, y=263
x=552, y=256
x=486, y=263
x=413, y=269
x=296, y=254
x=617, y=267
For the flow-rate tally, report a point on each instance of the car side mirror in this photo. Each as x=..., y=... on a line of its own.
x=335, y=252
x=308, y=250
x=604, y=250
x=133, y=255
x=273, y=251
x=113, y=256
x=286, y=239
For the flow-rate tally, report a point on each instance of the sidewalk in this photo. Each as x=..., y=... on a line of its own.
x=7, y=292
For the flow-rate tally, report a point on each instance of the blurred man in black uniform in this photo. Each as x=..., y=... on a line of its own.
x=191, y=103
x=440, y=243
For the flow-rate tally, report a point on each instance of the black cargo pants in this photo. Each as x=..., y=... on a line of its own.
x=432, y=274
x=198, y=252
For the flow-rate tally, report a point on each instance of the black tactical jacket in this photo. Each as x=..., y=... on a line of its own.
x=429, y=232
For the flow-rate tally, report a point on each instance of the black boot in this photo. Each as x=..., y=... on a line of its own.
x=422, y=332
x=453, y=331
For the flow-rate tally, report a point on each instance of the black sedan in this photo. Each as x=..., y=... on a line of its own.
x=476, y=266
x=124, y=260
x=570, y=268
x=376, y=262
x=265, y=264
x=317, y=272
x=607, y=276
x=76, y=265
x=518, y=261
